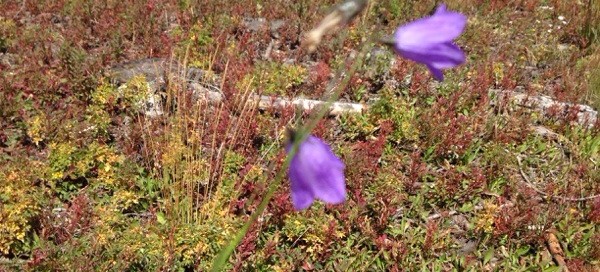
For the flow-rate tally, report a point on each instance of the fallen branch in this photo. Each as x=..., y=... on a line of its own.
x=159, y=71
x=556, y=250
x=586, y=115
x=265, y=102
x=336, y=108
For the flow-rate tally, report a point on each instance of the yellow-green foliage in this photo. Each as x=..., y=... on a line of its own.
x=124, y=199
x=149, y=243
x=185, y=172
x=202, y=238
x=203, y=241
x=233, y=162
x=96, y=112
x=8, y=31
x=173, y=152
x=133, y=93
x=272, y=78
x=255, y=174
x=194, y=43
x=36, y=128
x=126, y=243
x=170, y=245
x=400, y=111
x=308, y=232
x=196, y=170
x=107, y=161
x=106, y=97
x=225, y=191
x=485, y=219
x=18, y=206
x=386, y=182
x=498, y=72
x=180, y=177
x=60, y=159
x=67, y=160
x=357, y=125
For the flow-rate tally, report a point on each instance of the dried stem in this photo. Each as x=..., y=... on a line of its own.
x=530, y=185
x=342, y=14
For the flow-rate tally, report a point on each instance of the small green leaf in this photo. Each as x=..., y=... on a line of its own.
x=160, y=217
x=523, y=250
x=488, y=255
x=551, y=269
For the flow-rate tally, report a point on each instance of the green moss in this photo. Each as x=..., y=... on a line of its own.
x=357, y=126
x=272, y=78
x=308, y=233
x=401, y=112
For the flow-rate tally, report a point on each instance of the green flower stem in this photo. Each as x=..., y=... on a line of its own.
x=223, y=256
x=233, y=243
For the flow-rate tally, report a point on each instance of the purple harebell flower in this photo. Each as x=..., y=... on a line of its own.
x=429, y=40
x=316, y=172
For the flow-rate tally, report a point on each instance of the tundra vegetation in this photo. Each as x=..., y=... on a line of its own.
x=105, y=169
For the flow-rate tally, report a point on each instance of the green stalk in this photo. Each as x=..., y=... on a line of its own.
x=223, y=256
x=233, y=243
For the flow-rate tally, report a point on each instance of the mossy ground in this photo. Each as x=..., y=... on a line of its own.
x=436, y=177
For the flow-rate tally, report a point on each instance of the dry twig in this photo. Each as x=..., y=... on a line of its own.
x=530, y=185
x=556, y=250
x=343, y=13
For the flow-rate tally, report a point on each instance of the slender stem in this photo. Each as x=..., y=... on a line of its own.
x=314, y=120
x=223, y=256
x=227, y=250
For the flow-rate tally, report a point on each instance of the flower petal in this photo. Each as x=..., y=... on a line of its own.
x=302, y=194
x=437, y=73
x=441, y=9
x=441, y=56
x=315, y=171
x=329, y=186
x=441, y=27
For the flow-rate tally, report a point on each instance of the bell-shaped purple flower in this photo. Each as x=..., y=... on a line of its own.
x=429, y=40
x=316, y=172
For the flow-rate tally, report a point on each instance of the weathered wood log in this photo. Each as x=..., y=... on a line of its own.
x=159, y=71
x=586, y=115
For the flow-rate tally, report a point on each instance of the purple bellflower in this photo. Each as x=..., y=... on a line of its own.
x=316, y=172
x=429, y=40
